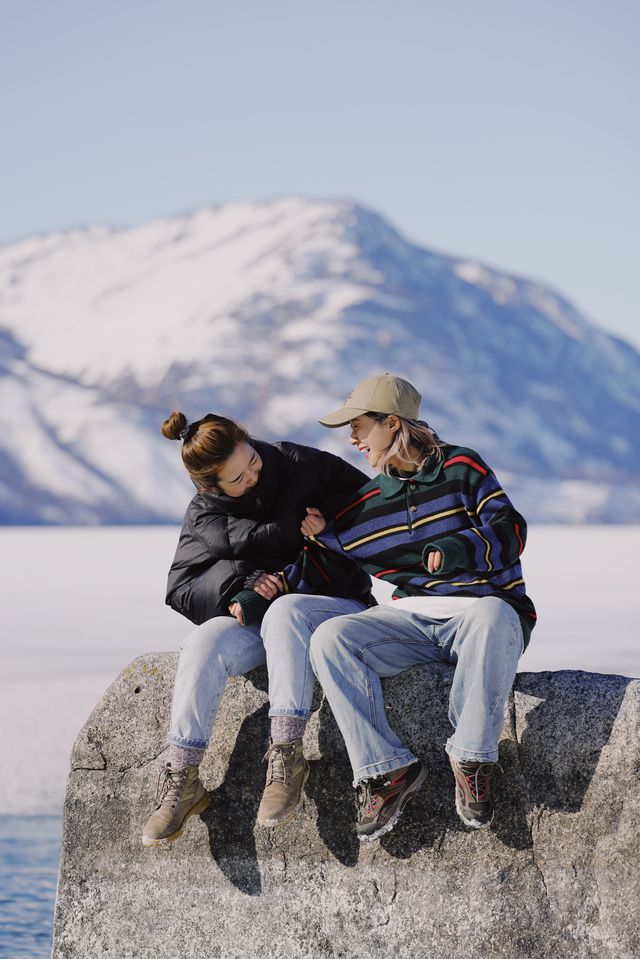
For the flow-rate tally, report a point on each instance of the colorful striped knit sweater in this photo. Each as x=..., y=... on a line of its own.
x=390, y=526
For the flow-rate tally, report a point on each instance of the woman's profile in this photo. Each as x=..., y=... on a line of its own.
x=436, y=523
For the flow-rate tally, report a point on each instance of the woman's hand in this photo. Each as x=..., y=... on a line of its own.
x=434, y=561
x=236, y=610
x=268, y=585
x=313, y=523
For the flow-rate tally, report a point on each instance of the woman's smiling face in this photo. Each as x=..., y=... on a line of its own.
x=240, y=472
x=372, y=437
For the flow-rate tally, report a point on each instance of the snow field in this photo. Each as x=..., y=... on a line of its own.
x=78, y=604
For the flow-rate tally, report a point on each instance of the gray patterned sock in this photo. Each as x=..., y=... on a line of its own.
x=182, y=756
x=284, y=729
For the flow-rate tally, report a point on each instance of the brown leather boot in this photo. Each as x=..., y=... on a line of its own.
x=180, y=794
x=287, y=773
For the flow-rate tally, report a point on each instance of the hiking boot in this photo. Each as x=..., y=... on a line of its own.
x=287, y=773
x=474, y=804
x=179, y=794
x=381, y=800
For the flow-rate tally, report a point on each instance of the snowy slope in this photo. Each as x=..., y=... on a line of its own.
x=56, y=662
x=271, y=312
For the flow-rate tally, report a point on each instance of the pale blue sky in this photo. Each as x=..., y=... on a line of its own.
x=499, y=130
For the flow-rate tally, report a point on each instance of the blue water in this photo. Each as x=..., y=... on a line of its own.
x=29, y=858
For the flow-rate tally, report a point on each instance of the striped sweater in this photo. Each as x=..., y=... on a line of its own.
x=389, y=527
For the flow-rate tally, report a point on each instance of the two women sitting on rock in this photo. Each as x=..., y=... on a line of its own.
x=435, y=523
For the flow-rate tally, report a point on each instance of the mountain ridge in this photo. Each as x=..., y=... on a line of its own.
x=271, y=312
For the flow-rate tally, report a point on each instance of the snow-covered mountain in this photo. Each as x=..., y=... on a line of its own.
x=271, y=312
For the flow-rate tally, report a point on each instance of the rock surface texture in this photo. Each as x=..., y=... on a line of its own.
x=558, y=874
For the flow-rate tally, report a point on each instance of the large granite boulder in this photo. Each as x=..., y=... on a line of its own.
x=558, y=874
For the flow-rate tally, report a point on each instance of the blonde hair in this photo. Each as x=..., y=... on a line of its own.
x=207, y=444
x=414, y=434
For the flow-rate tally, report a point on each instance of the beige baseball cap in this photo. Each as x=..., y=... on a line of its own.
x=377, y=394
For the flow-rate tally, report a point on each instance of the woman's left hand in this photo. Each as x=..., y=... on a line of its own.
x=434, y=561
x=313, y=523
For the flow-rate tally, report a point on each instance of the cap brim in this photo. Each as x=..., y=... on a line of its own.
x=341, y=417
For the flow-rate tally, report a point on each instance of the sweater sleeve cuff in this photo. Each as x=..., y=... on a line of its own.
x=253, y=606
x=453, y=556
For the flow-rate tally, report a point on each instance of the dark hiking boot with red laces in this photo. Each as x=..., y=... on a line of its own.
x=474, y=803
x=381, y=800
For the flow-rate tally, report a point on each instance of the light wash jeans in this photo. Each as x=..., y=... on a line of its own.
x=349, y=654
x=221, y=647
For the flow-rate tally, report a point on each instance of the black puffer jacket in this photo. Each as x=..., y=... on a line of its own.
x=225, y=540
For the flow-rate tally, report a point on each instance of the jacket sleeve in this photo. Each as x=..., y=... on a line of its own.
x=211, y=530
x=211, y=593
x=496, y=542
x=224, y=540
x=322, y=566
x=335, y=480
x=247, y=535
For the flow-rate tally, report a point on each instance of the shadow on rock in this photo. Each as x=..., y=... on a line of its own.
x=564, y=720
x=259, y=679
x=333, y=796
x=231, y=816
x=426, y=816
x=422, y=691
x=421, y=826
x=511, y=800
x=329, y=786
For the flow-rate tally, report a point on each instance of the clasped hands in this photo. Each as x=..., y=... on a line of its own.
x=268, y=585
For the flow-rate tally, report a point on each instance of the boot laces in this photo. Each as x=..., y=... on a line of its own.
x=280, y=759
x=365, y=800
x=478, y=776
x=170, y=783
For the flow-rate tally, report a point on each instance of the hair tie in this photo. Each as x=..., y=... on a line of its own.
x=184, y=433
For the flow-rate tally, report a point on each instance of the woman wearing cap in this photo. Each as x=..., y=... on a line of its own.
x=255, y=503
x=436, y=523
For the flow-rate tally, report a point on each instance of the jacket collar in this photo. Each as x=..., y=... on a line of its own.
x=392, y=485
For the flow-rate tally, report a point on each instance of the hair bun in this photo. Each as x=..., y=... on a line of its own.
x=173, y=427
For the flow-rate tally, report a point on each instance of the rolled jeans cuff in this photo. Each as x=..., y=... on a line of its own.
x=372, y=770
x=186, y=743
x=471, y=755
x=298, y=713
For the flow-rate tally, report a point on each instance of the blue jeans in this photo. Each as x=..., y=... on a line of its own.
x=349, y=654
x=221, y=647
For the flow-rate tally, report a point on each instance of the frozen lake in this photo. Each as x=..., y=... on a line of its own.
x=78, y=604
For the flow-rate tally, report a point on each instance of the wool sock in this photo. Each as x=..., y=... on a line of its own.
x=182, y=756
x=285, y=729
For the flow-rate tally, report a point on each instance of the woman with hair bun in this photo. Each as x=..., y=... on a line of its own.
x=255, y=503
